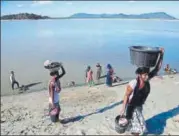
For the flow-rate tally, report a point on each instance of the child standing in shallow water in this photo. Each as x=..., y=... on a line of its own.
x=90, y=80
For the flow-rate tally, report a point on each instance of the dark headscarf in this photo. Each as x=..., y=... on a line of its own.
x=109, y=66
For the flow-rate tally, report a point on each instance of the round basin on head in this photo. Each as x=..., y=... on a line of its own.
x=143, y=56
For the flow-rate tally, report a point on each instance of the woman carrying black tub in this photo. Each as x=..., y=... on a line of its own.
x=136, y=94
x=54, y=91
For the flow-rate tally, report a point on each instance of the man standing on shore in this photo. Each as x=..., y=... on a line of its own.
x=13, y=80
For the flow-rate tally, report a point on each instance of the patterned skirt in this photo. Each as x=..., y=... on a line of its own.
x=137, y=123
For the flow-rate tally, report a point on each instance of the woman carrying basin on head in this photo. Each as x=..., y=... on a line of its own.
x=54, y=92
x=136, y=94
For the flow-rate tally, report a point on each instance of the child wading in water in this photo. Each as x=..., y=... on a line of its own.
x=90, y=80
x=54, y=90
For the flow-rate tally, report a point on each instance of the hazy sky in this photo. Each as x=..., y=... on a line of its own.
x=66, y=8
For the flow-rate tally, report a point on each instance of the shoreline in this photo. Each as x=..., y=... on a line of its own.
x=63, y=87
x=90, y=111
x=88, y=19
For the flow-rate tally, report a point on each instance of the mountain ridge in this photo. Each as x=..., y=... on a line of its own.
x=152, y=15
x=31, y=16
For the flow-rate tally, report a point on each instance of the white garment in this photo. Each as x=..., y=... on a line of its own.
x=137, y=123
x=132, y=84
x=12, y=78
x=56, y=94
x=56, y=98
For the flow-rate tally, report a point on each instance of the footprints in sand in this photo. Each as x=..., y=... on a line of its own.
x=15, y=114
x=94, y=109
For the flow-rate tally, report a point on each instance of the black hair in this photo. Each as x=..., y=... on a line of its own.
x=88, y=68
x=142, y=70
x=53, y=73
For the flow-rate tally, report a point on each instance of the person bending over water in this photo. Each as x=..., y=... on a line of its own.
x=116, y=79
x=54, y=90
x=136, y=95
x=13, y=80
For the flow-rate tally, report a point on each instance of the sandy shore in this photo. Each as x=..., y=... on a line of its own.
x=26, y=113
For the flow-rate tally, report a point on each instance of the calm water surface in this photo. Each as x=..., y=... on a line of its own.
x=25, y=45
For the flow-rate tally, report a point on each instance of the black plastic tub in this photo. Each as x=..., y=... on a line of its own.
x=143, y=56
x=54, y=66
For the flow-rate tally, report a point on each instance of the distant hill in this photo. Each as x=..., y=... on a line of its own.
x=155, y=15
x=21, y=16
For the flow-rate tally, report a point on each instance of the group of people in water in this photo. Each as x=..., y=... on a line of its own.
x=136, y=94
x=110, y=78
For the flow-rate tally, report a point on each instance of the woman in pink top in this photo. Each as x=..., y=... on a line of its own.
x=54, y=92
x=90, y=80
